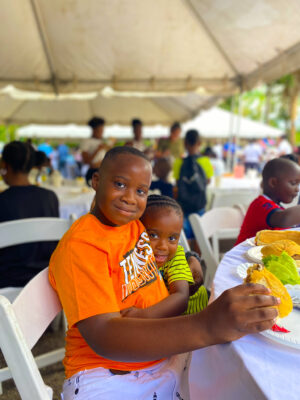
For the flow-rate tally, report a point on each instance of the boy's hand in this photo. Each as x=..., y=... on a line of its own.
x=239, y=311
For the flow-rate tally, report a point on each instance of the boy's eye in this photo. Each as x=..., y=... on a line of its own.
x=172, y=238
x=142, y=192
x=119, y=184
x=152, y=235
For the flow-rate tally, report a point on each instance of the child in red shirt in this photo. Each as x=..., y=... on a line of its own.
x=281, y=180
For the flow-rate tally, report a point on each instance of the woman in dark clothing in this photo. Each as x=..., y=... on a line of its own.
x=18, y=264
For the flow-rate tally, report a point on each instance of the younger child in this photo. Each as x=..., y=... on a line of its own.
x=104, y=264
x=161, y=169
x=281, y=180
x=163, y=220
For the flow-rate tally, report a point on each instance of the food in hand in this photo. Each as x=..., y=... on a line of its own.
x=267, y=236
x=259, y=274
x=276, y=248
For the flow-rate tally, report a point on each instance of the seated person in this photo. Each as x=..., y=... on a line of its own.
x=163, y=220
x=18, y=264
x=105, y=264
x=281, y=179
x=161, y=169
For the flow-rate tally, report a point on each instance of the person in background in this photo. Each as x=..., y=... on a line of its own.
x=217, y=148
x=173, y=145
x=46, y=148
x=137, y=142
x=284, y=146
x=162, y=169
x=217, y=163
x=252, y=155
x=18, y=264
x=93, y=150
x=281, y=180
x=192, y=174
x=63, y=152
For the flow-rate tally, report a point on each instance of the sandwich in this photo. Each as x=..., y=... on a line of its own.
x=276, y=248
x=259, y=274
x=268, y=236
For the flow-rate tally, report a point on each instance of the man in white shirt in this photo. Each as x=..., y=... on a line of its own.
x=93, y=149
x=252, y=155
x=284, y=146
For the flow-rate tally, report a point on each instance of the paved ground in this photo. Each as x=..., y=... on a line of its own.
x=52, y=375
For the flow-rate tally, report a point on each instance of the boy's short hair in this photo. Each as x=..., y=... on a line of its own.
x=192, y=137
x=96, y=121
x=292, y=157
x=119, y=150
x=276, y=167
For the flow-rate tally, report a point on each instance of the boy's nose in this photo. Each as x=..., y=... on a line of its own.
x=129, y=197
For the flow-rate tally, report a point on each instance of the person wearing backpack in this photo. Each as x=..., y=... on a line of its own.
x=192, y=174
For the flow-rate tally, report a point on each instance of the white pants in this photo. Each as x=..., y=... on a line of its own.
x=165, y=381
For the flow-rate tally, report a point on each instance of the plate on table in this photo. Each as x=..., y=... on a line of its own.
x=292, y=323
x=254, y=254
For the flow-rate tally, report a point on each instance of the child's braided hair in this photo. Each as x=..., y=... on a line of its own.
x=160, y=201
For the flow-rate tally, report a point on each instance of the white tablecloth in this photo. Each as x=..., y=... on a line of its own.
x=253, y=367
x=72, y=200
x=232, y=191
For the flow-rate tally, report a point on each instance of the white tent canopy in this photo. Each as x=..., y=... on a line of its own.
x=19, y=107
x=219, y=123
x=214, y=123
x=165, y=46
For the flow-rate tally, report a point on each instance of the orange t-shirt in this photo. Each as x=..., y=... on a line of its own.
x=98, y=269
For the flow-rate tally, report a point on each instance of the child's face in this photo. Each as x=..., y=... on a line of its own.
x=163, y=227
x=286, y=187
x=121, y=191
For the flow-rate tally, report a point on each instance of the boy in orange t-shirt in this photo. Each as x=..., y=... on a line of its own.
x=103, y=265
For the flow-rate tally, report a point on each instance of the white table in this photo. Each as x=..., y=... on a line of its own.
x=72, y=200
x=254, y=367
x=231, y=191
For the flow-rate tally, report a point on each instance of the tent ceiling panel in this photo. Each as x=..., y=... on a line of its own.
x=251, y=33
x=163, y=46
x=152, y=110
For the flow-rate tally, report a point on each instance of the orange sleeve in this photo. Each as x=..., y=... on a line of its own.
x=82, y=279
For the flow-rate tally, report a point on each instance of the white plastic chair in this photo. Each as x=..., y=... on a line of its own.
x=27, y=231
x=21, y=325
x=218, y=223
x=184, y=242
x=229, y=198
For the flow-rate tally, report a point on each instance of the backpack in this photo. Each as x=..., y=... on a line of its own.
x=191, y=186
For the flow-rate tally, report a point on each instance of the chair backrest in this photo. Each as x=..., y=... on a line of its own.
x=206, y=226
x=184, y=242
x=30, y=230
x=230, y=198
x=22, y=324
x=221, y=218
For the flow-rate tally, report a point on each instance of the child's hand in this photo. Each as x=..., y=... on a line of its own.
x=131, y=312
x=241, y=310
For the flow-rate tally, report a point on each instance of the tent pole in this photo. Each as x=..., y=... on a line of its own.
x=238, y=128
x=230, y=135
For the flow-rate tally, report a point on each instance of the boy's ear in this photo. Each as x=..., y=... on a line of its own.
x=272, y=182
x=95, y=180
